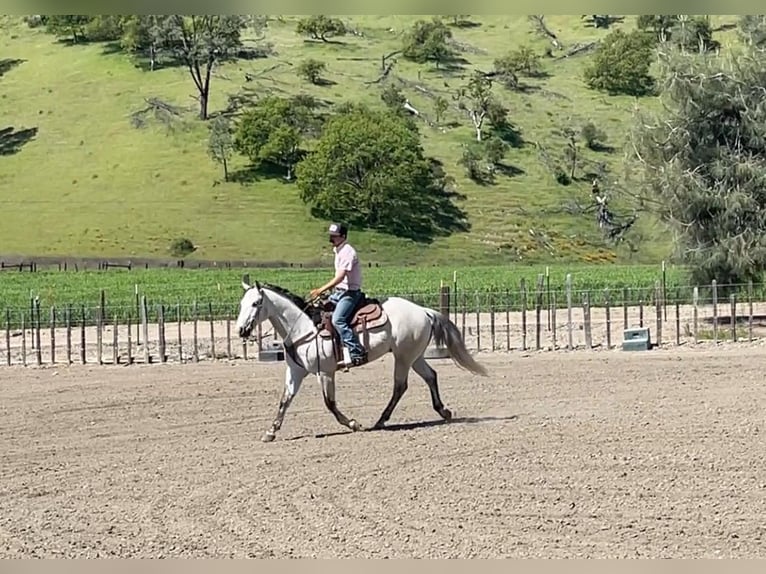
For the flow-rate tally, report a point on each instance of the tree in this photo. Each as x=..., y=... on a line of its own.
x=690, y=33
x=427, y=41
x=660, y=24
x=221, y=143
x=703, y=162
x=441, y=105
x=142, y=33
x=522, y=61
x=477, y=100
x=369, y=170
x=621, y=64
x=393, y=97
x=693, y=34
x=67, y=25
x=201, y=43
x=321, y=27
x=273, y=130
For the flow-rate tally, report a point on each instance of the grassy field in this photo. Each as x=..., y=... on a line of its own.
x=222, y=287
x=90, y=184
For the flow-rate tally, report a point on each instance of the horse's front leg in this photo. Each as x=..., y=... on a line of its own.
x=293, y=380
x=328, y=392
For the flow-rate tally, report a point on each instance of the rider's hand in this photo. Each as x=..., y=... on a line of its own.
x=314, y=293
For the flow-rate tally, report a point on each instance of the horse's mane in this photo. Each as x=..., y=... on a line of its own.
x=299, y=301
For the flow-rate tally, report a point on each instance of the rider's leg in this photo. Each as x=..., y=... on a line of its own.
x=341, y=317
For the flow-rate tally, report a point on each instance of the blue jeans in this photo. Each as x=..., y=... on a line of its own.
x=345, y=304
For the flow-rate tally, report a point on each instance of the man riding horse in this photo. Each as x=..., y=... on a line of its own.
x=347, y=293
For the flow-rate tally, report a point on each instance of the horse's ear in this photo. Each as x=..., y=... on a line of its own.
x=257, y=285
x=246, y=281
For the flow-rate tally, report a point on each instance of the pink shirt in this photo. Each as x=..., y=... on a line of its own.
x=346, y=258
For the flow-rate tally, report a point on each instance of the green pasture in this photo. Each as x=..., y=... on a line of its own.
x=90, y=184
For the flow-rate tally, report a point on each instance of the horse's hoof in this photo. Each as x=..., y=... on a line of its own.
x=447, y=415
x=268, y=437
x=354, y=426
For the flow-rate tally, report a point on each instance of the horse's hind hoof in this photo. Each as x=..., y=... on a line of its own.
x=354, y=426
x=447, y=415
x=268, y=437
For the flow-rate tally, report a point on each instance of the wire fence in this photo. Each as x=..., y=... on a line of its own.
x=539, y=319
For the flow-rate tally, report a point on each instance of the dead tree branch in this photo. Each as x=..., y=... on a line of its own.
x=538, y=21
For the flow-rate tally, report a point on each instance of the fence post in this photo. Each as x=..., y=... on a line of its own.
x=8, y=335
x=507, y=320
x=523, y=287
x=195, y=345
x=38, y=345
x=130, y=337
x=138, y=315
x=478, y=323
x=608, y=313
x=678, y=317
x=714, y=286
x=145, y=327
x=23, y=339
x=492, y=319
x=464, y=311
x=570, y=346
x=539, y=310
x=53, y=335
x=625, y=307
x=161, y=331
x=444, y=299
x=586, y=320
x=658, y=307
x=553, y=322
x=733, y=300
x=750, y=310
x=68, y=321
x=101, y=318
x=115, y=341
x=82, y=334
x=695, y=313
x=664, y=290
x=212, y=330
x=180, y=339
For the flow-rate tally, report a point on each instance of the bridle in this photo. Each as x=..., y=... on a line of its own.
x=290, y=347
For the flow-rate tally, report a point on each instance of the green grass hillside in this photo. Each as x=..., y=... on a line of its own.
x=89, y=183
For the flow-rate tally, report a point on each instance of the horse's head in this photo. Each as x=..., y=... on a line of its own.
x=250, y=308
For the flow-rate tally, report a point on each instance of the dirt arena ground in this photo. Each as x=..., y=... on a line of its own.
x=568, y=454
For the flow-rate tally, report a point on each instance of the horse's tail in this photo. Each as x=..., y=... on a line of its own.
x=446, y=334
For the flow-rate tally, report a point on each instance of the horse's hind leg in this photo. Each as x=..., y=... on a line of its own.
x=401, y=370
x=424, y=370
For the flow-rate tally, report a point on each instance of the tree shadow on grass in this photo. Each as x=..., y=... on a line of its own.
x=7, y=64
x=509, y=133
x=263, y=172
x=12, y=140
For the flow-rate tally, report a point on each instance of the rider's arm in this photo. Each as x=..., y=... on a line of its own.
x=339, y=275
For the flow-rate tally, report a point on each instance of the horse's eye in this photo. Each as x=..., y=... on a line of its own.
x=255, y=304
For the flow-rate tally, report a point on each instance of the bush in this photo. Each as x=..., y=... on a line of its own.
x=181, y=247
x=311, y=70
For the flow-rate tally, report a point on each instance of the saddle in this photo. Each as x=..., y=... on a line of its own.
x=367, y=314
